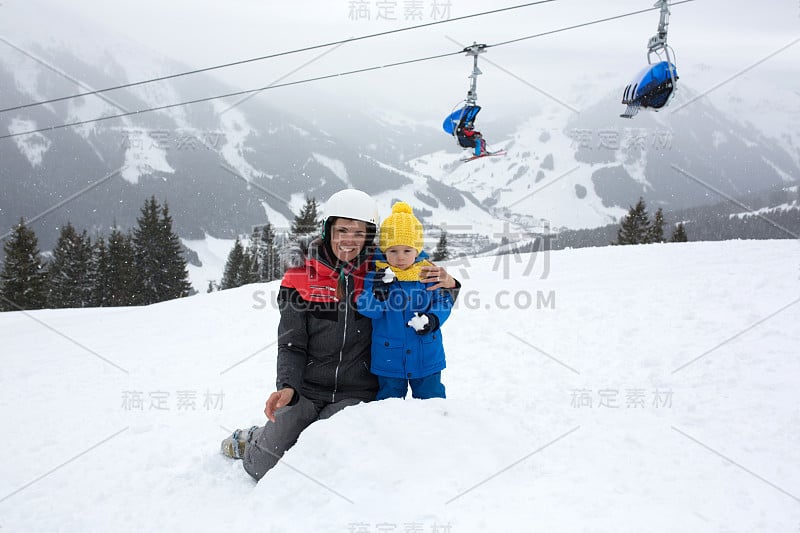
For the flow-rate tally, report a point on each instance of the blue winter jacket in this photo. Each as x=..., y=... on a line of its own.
x=397, y=350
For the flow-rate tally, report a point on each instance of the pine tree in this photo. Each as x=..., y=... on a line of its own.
x=441, y=253
x=22, y=280
x=68, y=278
x=265, y=252
x=160, y=265
x=656, y=233
x=233, y=267
x=635, y=227
x=307, y=221
x=120, y=271
x=176, y=283
x=98, y=272
x=249, y=269
x=146, y=256
x=679, y=233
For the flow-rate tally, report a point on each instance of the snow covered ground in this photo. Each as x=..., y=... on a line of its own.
x=627, y=389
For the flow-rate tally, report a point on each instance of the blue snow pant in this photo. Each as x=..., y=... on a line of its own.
x=480, y=146
x=421, y=388
x=268, y=444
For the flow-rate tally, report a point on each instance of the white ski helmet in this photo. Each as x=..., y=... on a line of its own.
x=352, y=204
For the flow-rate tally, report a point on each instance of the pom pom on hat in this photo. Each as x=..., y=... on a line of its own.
x=401, y=228
x=402, y=207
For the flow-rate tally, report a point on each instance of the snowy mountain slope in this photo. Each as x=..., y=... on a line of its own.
x=653, y=391
x=755, y=102
x=583, y=170
x=223, y=166
x=226, y=166
x=469, y=228
x=538, y=179
x=794, y=205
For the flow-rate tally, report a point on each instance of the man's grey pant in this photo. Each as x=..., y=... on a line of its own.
x=268, y=443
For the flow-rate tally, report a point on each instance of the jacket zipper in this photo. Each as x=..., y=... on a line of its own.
x=344, y=337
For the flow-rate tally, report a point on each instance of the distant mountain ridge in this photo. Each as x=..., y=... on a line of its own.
x=773, y=214
x=224, y=166
x=583, y=170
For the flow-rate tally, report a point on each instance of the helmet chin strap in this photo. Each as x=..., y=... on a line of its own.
x=326, y=227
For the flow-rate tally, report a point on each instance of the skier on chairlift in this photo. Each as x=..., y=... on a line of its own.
x=461, y=123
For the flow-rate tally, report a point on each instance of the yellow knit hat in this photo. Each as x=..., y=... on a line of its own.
x=401, y=228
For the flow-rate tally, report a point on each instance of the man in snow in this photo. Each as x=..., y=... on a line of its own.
x=323, y=342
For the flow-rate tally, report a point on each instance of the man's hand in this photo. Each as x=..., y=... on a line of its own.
x=277, y=400
x=438, y=276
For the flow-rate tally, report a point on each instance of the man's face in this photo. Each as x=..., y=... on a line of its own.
x=348, y=238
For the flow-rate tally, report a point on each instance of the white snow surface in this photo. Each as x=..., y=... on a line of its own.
x=277, y=219
x=144, y=154
x=334, y=165
x=788, y=206
x=32, y=146
x=236, y=130
x=213, y=254
x=418, y=322
x=554, y=196
x=388, y=276
x=113, y=417
x=469, y=219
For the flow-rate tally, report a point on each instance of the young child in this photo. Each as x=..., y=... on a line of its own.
x=406, y=340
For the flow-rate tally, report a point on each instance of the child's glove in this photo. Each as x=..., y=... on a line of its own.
x=388, y=276
x=424, y=323
x=380, y=287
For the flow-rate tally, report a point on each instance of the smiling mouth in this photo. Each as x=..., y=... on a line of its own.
x=348, y=250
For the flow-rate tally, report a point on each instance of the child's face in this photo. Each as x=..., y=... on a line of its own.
x=401, y=256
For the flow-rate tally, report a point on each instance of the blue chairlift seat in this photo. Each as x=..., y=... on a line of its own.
x=652, y=88
x=455, y=123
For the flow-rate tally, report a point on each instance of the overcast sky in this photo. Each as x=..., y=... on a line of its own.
x=727, y=36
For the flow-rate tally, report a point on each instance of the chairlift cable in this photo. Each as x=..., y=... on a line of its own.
x=308, y=80
x=272, y=56
x=608, y=19
x=209, y=98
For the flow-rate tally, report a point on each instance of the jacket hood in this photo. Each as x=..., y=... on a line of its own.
x=294, y=254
